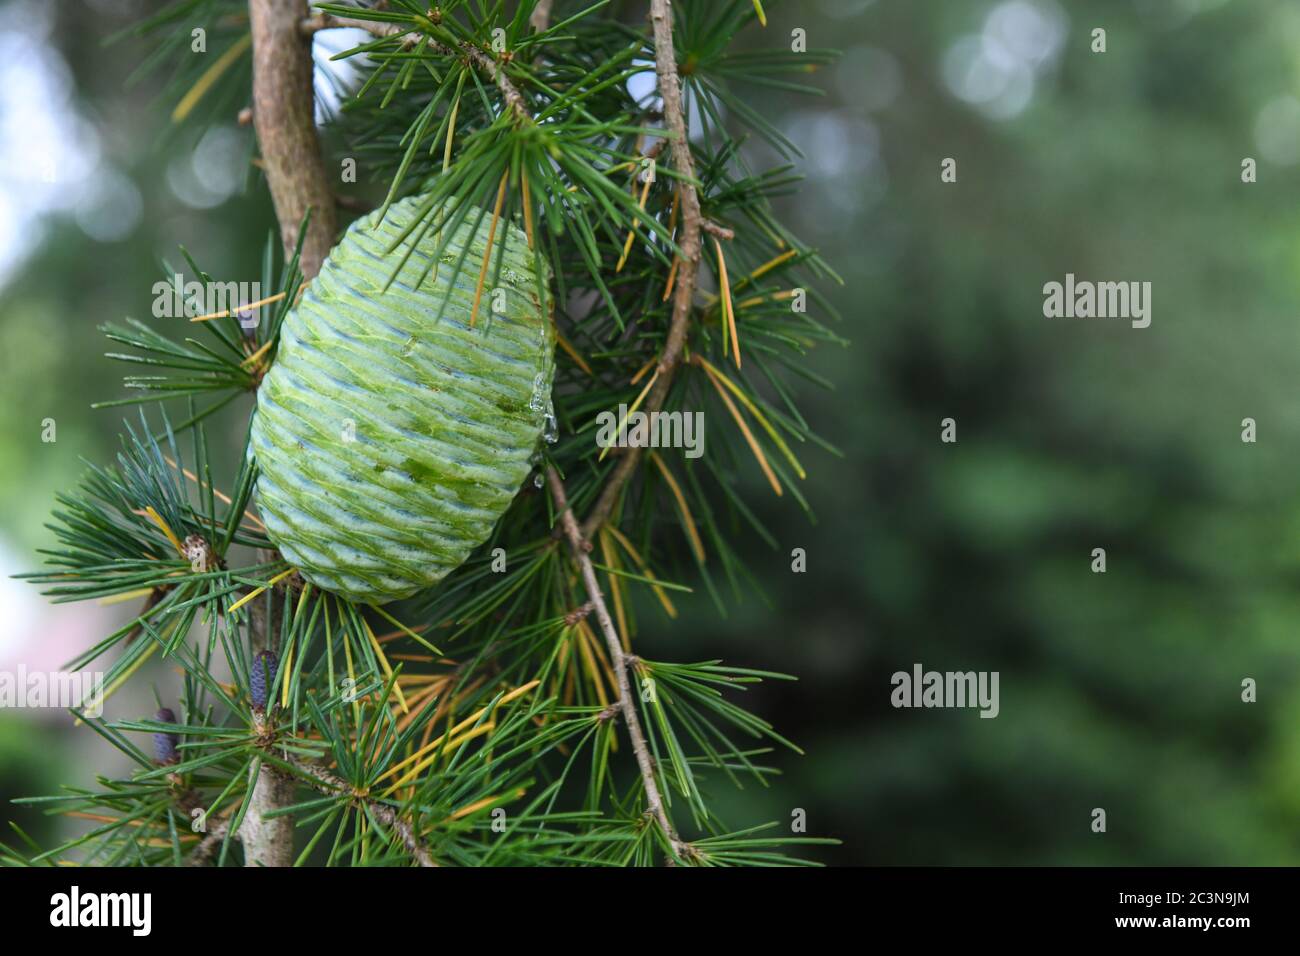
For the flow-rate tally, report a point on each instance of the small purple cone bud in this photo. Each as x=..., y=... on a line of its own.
x=164, y=744
x=262, y=677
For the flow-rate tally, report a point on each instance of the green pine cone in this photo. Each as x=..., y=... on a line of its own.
x=390, y=440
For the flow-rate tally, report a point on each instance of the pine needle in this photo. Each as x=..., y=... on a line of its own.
x=258, y=354
x=122, y=678
x=631, y=233
x=766, y=297
x=768, y=266
x=753, y=410
x=597, y=679
x=403, y=628
x=215, y=491
x=287, y=667
x=254, y=593
x=672, y=225
x=672, y=277
x=420, y=702
x=728, y=308
x=487, y=253
x=162, y=525
x=209, y=77
x=451, y=128
x=126, y=596
x=645, y=570
x=688, y=522
x=383, y=662
x=528, y=206
x=573, y=353
x=469, y=721
x=352, y=674
x=242, y=308
x=642, y=370
x=479, y=805
x=744, y=429
x=623, y=424
x=616, y=589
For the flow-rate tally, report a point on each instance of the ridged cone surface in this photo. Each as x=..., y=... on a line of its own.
x=389, y=439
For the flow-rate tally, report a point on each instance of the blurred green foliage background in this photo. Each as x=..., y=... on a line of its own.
x=1119, y=690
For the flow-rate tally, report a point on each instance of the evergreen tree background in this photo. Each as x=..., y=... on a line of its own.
x=1119, y=690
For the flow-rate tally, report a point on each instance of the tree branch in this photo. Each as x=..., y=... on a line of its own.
x=206, y=848
x=376, y=28
x=626, y=705
x=514, y=99
x=285, y=119
x=326, y=782
x=540, y=18
x=670, y=90
x=409, y=38
x=268, y=840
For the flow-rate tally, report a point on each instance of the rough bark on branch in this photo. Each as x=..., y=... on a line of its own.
x=284, y=116
x=268, y=841
x=670, y=90
x=626, y=704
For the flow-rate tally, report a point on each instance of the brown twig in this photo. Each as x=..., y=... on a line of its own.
x=579, y=613
x=489, y=65
x=540, y=18
x=580, y=547
x=717, y=229
x=206, y=848
x=383, y=30
x=670, y=91
x=514, y=99
x=326, y=782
